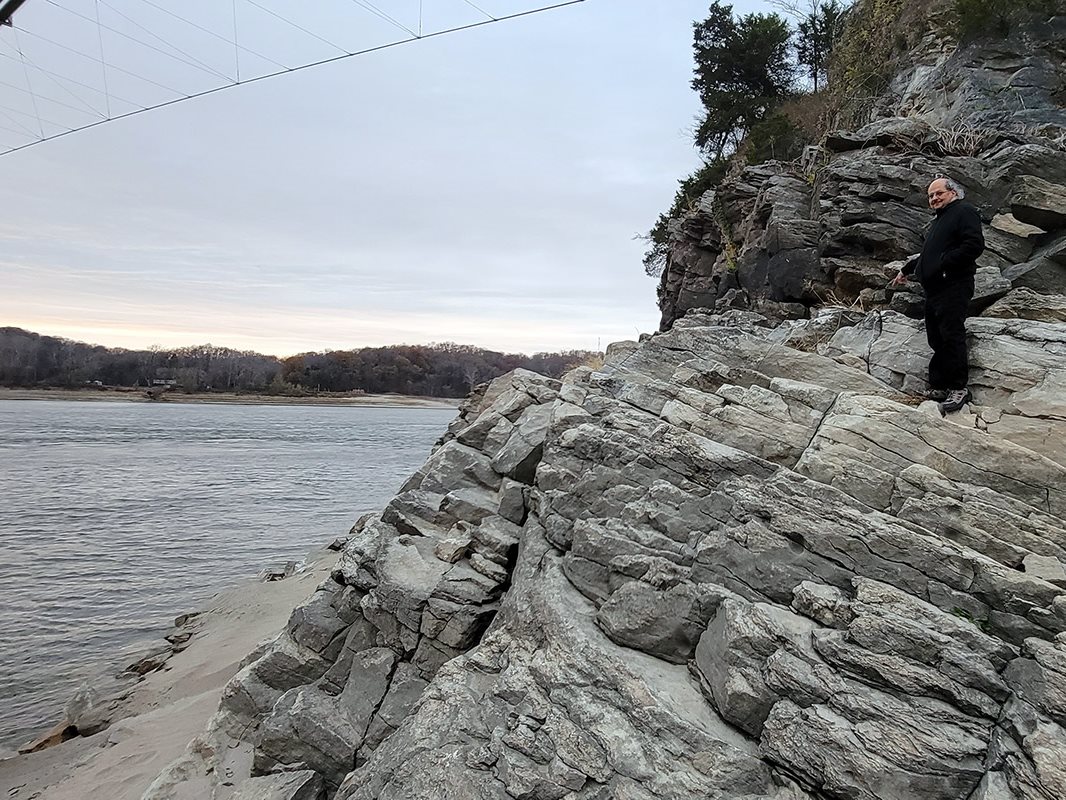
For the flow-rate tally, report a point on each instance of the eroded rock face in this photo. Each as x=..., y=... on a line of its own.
x=738, y=570
x=782, y=238
x=1003, y=82
x=829, y=228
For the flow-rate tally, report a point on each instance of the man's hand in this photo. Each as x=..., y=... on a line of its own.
x=899, y=280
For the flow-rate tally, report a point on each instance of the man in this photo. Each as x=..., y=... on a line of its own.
x=946, y=270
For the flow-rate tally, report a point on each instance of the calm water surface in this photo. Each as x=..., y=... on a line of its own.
x=114, y=517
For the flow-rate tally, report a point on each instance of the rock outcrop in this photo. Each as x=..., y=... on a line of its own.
x=781, y=238
x=739, y=560
x=720, y=566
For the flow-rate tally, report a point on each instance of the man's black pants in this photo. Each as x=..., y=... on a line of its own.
x=945, y=327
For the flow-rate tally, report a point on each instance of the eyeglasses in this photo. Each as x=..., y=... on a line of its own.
x=935, y=195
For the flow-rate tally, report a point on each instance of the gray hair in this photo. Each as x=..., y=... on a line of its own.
x=955, y=187
x=952, y=185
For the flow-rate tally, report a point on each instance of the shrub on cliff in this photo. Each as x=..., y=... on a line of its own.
x=688, y=192
x=775, y=138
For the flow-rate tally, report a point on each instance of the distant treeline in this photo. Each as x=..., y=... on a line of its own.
x=29, y=359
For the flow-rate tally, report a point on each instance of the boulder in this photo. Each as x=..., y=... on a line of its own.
x=1038, y=202
x=99, y=702
x=1053, y=248
x=909, y=303
x=1041, y=274
x=989, y=286
x=1015, y=228
x=301, y=785
x=1025, y=303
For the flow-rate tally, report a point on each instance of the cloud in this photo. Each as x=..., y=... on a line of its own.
x=482, y=188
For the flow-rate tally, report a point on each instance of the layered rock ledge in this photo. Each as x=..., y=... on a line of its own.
x=720, y=566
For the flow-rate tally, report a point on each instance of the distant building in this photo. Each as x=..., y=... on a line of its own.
x=163, y=382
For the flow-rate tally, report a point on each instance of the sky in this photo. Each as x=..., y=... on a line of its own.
x=482, y=187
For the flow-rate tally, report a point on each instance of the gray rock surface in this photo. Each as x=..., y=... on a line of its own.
x=741, y=559
x=1041, y=274
x=1035, y=201
x=1024, y=303
x=302, y=785
x=743, y=570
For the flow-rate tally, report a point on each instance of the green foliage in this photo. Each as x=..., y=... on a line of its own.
x=776, y=137
x=816, y=33
x=742, y=71
x=977, y=19
x=689, y=191
x=745, y=74
x=729, y=247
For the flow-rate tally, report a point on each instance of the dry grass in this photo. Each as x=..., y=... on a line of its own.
x=593, y=361
x=964, y=140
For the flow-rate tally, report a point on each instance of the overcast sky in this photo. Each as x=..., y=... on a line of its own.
x=482, y=187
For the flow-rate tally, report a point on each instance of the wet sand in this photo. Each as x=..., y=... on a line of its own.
x=170, y=706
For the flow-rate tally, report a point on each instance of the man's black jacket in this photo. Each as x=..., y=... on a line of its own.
x=951, y=248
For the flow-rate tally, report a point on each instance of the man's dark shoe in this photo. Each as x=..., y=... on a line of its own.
x=955, y=400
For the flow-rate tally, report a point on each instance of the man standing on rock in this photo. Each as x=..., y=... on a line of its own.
x=946, y=269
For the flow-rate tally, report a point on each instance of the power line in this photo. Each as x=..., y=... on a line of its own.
x=236, y=48
x=46, y=99
x=36, y=115
x=29, y=85
x=68, y=79
x=190, y=56
x=478, y=8
x=373, y=9
x=100, y=27
x=103, y=64
x=298, y=27
x=51, y=76
x=288, y=70
x=212, y=33
x=39, y=68
x=94, y=59
x=12, y=130
x=12, y=119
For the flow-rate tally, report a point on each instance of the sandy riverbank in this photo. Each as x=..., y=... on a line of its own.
x=170, y=706
x=138, y=396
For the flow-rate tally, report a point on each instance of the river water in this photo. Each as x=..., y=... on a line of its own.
x=115, y=517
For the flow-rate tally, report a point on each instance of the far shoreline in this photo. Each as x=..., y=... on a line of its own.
x=229, y=398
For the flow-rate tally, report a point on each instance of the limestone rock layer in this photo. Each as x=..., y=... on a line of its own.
x=717, y=567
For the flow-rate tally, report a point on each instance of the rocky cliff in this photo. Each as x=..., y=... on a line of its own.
x=783, y=237
x=738, y=560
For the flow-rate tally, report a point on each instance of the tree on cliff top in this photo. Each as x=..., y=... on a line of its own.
x=743, y=71
x=818, y=25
